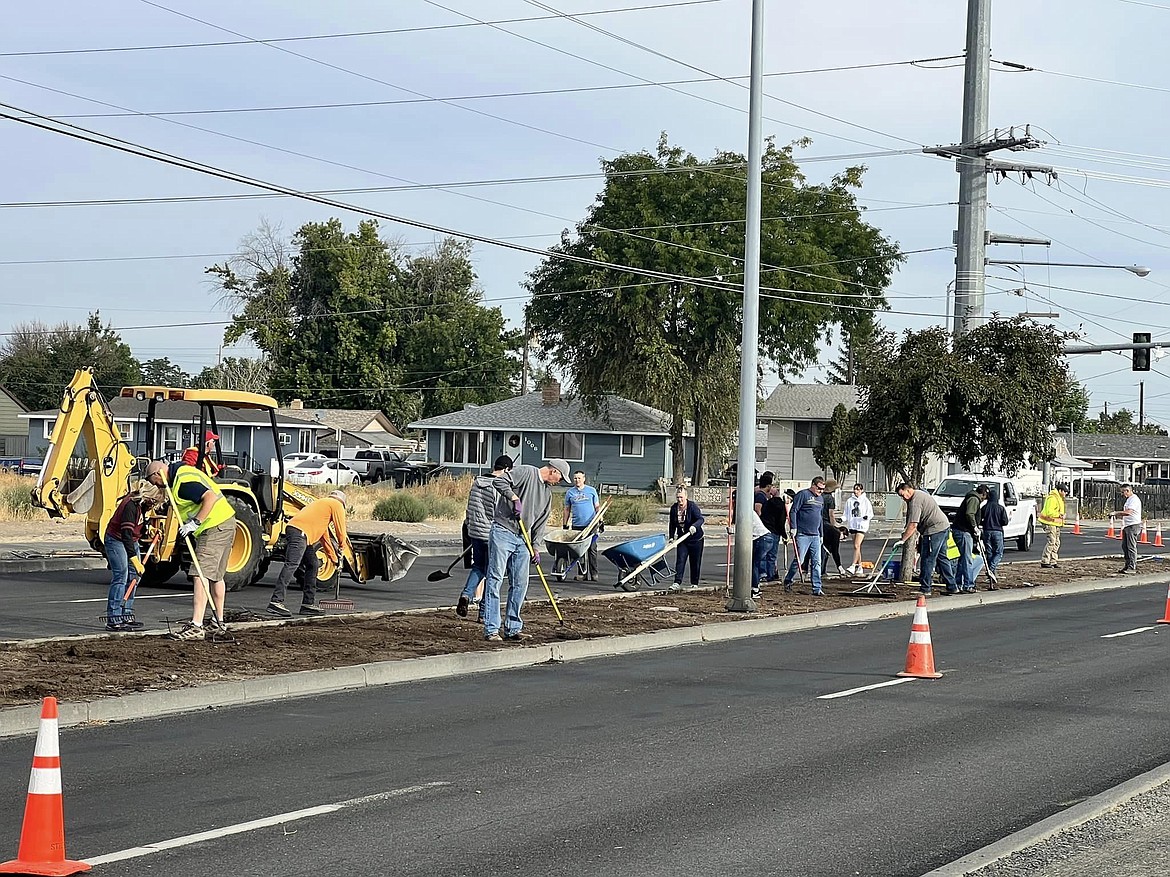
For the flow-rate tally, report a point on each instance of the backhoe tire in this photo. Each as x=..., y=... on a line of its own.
x=160, y=573
x=248, y=547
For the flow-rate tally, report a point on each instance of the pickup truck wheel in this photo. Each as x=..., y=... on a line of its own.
x=248, y=547
x=1024, y=543
x=376, y=477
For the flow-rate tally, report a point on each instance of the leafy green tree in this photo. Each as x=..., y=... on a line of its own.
x=841, y=444
x=988, y=400
x=164, y=373
x=1122, y=422
x=38, y=361
x=859, y=344
x=346, y=319
x=1072, y=410
x=235, y=373
x=674, y=345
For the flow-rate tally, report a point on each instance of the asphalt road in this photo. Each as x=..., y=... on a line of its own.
x=715, y=759
x=67, y=603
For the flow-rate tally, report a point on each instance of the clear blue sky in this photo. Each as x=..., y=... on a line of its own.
x=1108, y=139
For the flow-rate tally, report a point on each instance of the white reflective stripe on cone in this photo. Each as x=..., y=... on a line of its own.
x=920, y=637
x=47, y=739
x=45, y=781
x=920, y=615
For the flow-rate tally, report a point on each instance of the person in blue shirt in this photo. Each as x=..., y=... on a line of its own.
x=581, y=505
x=806, y=520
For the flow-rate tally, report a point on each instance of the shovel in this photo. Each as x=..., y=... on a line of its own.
x=439, y=574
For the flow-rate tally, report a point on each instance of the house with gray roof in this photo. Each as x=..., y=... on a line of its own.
x=349, y=427
x=625, y=449
x=245, y=436
x=1133, y=458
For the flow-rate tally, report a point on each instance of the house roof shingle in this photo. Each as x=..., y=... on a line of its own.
x=1135, y=448
x=808, y=401
x=347, y=419
x=529, y=412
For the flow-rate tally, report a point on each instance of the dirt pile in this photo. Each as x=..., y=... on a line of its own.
x=85, y=668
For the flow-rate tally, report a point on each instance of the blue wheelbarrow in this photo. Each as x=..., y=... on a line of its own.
x=639, y=558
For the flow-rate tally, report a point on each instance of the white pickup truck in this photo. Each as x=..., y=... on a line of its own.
x=1021, y=512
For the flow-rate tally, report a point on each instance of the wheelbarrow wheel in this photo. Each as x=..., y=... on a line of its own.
x=632, y=584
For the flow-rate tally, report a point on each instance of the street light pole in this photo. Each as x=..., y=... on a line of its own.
x=741, y=600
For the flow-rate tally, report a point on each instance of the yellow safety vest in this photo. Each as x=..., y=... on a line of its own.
x=1053, y=512
x=220, y=512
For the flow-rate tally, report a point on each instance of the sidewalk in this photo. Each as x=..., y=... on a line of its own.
x=1121, y=832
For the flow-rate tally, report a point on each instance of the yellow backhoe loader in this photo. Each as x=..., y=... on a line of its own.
x=92, y=480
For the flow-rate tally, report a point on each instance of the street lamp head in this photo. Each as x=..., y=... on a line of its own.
x=1139, y=270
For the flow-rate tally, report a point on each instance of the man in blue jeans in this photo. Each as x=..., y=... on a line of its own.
x=806, y=519
x=121, y=542
x=926, y=519
x=525, y=496
x=481, y=509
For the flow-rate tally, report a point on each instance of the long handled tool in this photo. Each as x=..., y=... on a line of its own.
x=140, y=565
x=191, y=550
x=589, y=531
x=439, y=574
x=543, y=581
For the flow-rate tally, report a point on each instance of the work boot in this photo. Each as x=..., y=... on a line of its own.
x=277, y=608
x=461, y=606
x=310, y=609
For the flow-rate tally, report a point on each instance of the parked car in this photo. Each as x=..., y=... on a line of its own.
x=322, y=471
x=20, y=465
x=1021, y=510
x=374, y=464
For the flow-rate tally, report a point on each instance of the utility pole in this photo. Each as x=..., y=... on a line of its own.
x=741, y=600
x=978, y=142
x=1141, y=405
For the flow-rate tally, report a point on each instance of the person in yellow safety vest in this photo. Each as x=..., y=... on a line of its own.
x=207, y=516
x=1052, y=520
x=306, y=529
x=191, y=455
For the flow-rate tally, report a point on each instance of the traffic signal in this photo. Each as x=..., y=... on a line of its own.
x=1141, y=356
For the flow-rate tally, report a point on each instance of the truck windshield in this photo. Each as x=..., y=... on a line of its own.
x=951, y=487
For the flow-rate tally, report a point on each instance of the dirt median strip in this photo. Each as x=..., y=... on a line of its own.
x=122, y=678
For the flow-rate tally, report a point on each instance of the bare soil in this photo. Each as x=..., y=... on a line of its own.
x=85, y=668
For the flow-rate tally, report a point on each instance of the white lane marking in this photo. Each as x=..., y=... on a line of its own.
x=1128, y=632
x=866, y=688
x=136, y=597
x=252, y=825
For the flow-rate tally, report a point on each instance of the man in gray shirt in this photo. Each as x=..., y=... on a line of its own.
x=524, y=498
x=925, y=518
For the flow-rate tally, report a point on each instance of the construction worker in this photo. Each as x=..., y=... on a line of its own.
x=121, y=543
x=191, y=455
x=307, y=529
x=1052, y=520
x=207, y=517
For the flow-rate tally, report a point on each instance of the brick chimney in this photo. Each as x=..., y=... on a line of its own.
x=550, y=393
x=297, y=404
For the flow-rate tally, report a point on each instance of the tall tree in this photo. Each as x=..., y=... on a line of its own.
x=674, y=345
x=235, y=373
x=858, y=345
x=840, y=446
x=347, y=319
x=37, y=361
x=164, y=373
x=1121, y=422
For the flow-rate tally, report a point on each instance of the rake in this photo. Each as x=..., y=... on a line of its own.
x=341, y=604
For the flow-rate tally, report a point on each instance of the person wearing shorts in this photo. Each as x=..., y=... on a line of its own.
x=209, y=518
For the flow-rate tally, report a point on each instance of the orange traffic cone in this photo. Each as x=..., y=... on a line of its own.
x=920, y=653
x=1076, y=531
x=1158, y=537
x=1145, y=540
x=1109, y=534
x=1165, y=619
x=42, y=838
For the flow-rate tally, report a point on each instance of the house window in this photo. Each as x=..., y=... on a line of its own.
x=126, y=431
x=633, y=446
x=566, y=445
x=171, y=439
x=467, y=448
x=49, y=425
x=807, y=434
x=227, y=439
x=305, y=444
x=285, y=438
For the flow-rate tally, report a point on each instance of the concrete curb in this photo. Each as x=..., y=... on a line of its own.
x=152, y=704
x=1076, y=815
x=50, y=564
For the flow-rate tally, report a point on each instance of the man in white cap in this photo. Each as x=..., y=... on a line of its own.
x=307, y=529
x=525, y=497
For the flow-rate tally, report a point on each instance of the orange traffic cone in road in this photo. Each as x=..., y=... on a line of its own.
x=920, y=653
x=42, y=838
x=1158, y=537
x=1165, y=619
x=1145, y=540
x=1109, y=534
x=1076, y=531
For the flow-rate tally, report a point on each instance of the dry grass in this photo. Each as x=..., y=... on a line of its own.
x=16, y=499
x=445, y=498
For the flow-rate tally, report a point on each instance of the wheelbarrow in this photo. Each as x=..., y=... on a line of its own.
x=567, y=548
x=641, y=557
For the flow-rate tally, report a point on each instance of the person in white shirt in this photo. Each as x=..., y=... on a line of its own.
x=858, y=513
x=1131, y=524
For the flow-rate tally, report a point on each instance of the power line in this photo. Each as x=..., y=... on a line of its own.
x=337, y=36
x=624, y=86
x=633, y=44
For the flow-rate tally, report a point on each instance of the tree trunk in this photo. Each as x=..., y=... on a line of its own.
x=699, y=472
x=678, y=449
